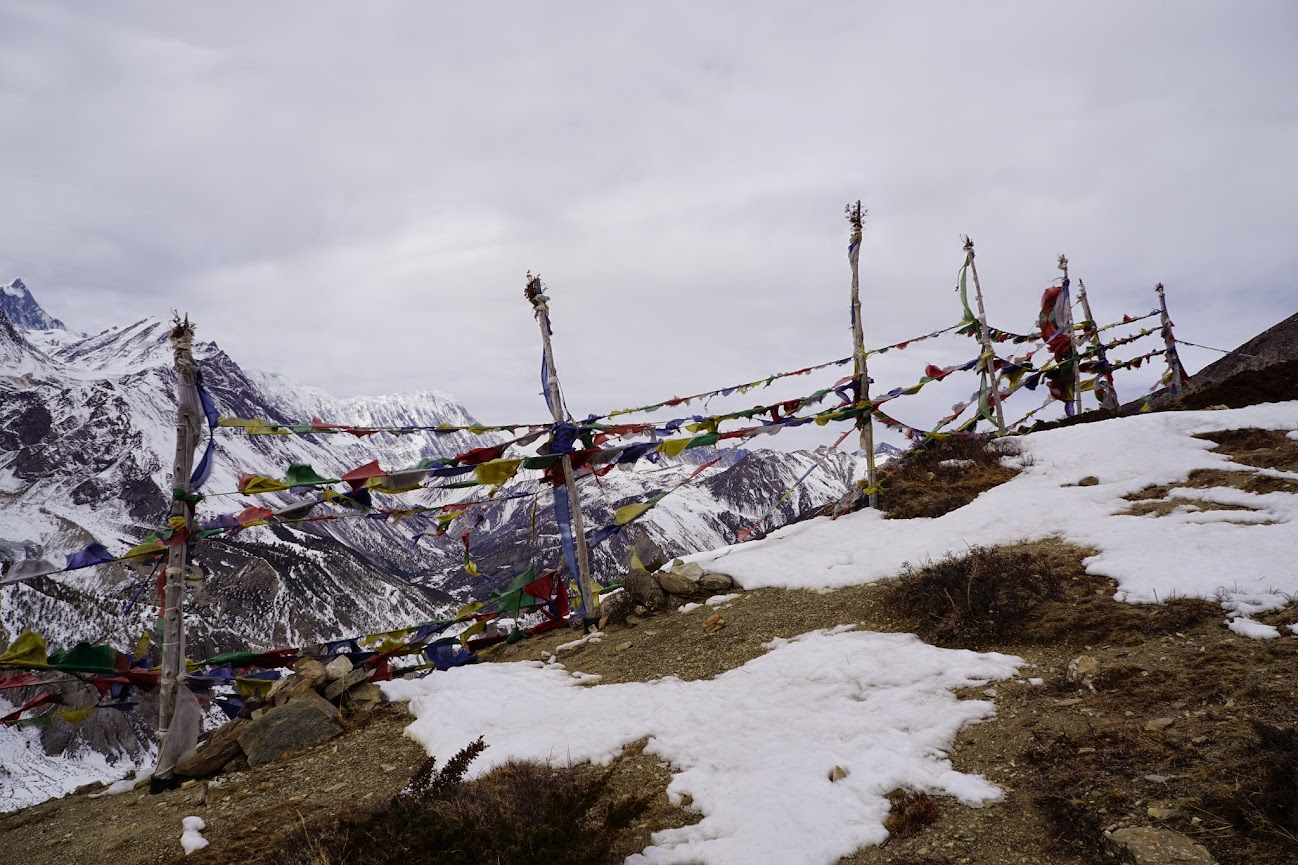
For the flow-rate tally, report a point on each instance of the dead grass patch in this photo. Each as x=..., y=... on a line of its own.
x=945, y=475
x=1168, y=506
x=1263, y=448
x=1035, y=593
x=519, y=812
x=911, y=811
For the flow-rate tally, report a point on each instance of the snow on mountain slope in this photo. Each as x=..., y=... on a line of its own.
x=18, y=305
x=86, y=439
x=1245, y=558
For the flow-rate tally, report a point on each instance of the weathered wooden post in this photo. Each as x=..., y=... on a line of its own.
x=1073, y=343
x=1174, y=367
x=188, y=412
x=1108, y=398
x=855, y=216
x=535, y=292
x=990, y=378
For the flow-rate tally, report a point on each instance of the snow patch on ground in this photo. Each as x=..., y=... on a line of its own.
x=1202, y=554
x=1253, y=630
x=754, y=748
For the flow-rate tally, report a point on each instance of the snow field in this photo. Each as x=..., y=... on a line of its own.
x=1250, y=568
x=754, y=748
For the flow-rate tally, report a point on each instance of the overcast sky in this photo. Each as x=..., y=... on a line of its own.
x=350, y=194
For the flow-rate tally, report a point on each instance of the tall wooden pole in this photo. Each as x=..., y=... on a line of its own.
x=855, y=215
x=1173, y=359
x=1067, y=325
x=990, y=377
x=1108, y=399
x=188, y=412
x=535, y=292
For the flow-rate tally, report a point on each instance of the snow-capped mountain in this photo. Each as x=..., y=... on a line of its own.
x=18, y=305
x=86, y=439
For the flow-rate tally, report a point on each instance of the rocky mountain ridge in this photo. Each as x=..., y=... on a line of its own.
x=86, y=437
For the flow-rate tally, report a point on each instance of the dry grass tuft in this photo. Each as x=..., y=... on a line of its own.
x=944, y=475
x=983, y=595
x=1035, y=593
x=1263, y=795
x=522, y=813
x=911, y=812
x=1263, y=448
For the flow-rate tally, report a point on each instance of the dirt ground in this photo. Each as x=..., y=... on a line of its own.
x=1164, y=723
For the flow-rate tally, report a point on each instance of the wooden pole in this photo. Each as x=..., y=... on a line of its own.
x=990, y=377
x=1173, y=359
x=855, y=215
x=535, y=292
x=188, y=411
x=1108, y=399
x=1069, y=328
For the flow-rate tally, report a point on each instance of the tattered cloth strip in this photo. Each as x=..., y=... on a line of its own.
x=204, y=468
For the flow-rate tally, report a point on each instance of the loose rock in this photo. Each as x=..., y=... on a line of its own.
x=644, y=589
x=716, y=583
x=336, y=689
x=216, y=754
x=1148, y=846
x=300, y=723
x=337, y=668
x=1081, y=668
x=678, y=585
x=690, y=571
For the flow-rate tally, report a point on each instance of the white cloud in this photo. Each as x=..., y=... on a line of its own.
x=351, y=195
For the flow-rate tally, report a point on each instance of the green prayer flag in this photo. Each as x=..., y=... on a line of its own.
x=302, y=475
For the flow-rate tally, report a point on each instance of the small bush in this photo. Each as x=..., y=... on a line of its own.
x=1265, y=797
x=983, y=595
x=911, y=811
x=944, y=475
x=521, y=813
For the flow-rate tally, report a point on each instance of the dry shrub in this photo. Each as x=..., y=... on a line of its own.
x=921, y=486
x=974, y=598
x=521, y=813
x=1264, y=796
x=911, y=811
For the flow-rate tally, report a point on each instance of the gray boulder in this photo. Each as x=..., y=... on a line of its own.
x=675, y=584
x=300, y=723
x=1146, y=846
x=642, y=586
x=716, y=583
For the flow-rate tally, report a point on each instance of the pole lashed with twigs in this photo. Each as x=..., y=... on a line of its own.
x=855, y=216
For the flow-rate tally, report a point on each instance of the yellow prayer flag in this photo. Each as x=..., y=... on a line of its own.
x=76, y=716
x=468, y=610
x=627, y=513
x=496, y=472
x=673, y=447
x=27, y=651
x=471, y=631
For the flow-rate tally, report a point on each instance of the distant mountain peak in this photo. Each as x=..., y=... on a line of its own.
x=23, y=311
